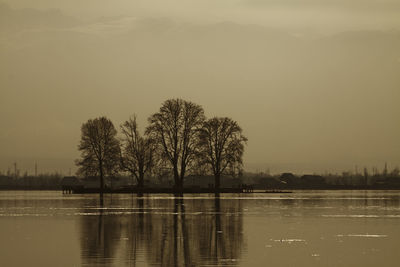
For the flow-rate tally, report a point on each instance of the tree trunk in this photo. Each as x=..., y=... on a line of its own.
x=140, y=184
x=181, y=183
x=217, y=181
x=101, y=182
x=182, y=177
x=176, y=178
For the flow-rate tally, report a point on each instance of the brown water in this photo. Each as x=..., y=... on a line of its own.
x=306, y=228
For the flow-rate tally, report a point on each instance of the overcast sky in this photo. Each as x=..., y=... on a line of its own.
x=321, y=15
x=315, y=84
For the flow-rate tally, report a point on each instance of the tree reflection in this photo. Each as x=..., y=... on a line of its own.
x=226, y=238
x=100, y=234
x=164, y=232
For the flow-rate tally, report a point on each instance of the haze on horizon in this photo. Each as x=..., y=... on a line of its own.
x=314, y=84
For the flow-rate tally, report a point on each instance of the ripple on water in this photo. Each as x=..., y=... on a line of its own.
x=290, y=240
x=360, y=216
x=362, y=235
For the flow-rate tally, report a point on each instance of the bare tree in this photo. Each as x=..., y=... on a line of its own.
x=99, y=148
x=175, y=127
x=87, y=165
x=222, y=146
x=137, y=151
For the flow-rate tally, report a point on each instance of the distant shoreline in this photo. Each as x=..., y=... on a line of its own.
x=204, y=190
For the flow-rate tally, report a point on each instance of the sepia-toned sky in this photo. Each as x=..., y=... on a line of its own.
x=315, y=84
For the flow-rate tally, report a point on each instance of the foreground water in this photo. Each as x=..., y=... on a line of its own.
x=306, y=228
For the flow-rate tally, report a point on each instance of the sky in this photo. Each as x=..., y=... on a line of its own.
x=315, y=84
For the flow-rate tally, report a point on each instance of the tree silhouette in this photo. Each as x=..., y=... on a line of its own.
x=137, y=151
x=175, y=127
x=222, y=146
x=99, y=149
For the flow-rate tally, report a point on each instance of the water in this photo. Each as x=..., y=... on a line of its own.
x=306, y=228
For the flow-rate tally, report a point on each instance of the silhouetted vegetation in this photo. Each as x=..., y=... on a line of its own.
x=45, y=181
x=175, y=128
x=180, y=145
x=259, y=181
x=176, y=143
x=346, y=180
x=138, y=152
x=100, y=151
x=222, y=147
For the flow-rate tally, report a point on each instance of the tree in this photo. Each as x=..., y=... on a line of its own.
x=137, y=151
x=222, y=146
x=175, y=127
x=99, y=148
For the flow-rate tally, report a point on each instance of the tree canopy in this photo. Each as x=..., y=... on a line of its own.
x=222, y=146
x=175, y=128
x=99, y=149
x=138, y=152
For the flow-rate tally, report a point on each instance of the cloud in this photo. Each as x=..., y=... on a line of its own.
x=360, y=5
x=12, y=20
x=107, y=26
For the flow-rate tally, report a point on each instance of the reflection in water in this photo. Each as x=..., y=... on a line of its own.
x=306, y=228
x=98, y=238
x=165, y=232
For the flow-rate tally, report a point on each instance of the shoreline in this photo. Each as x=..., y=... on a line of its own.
x=201, y=191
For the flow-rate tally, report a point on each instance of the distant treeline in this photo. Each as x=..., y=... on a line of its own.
x=258, y=181
x=346, y=180
x=40, y=182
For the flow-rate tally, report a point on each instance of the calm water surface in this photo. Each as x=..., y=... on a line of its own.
x=306, y=228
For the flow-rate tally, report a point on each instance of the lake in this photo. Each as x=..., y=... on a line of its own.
x=305, y=228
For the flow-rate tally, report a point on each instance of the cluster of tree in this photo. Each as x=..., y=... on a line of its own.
x=376, y=178
x=179, y=139
x=365, y=180
x=47, y=181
